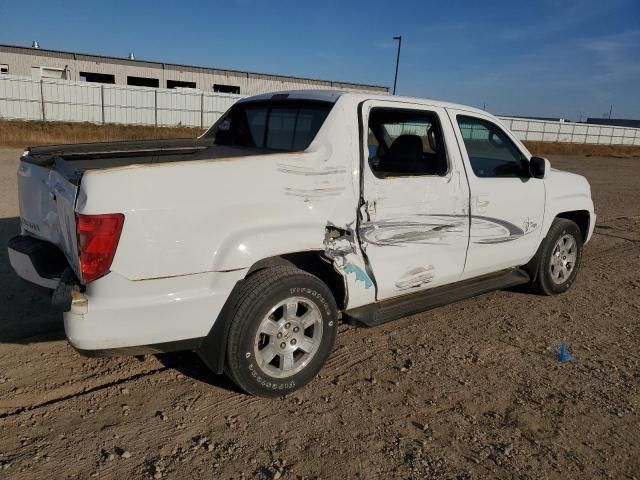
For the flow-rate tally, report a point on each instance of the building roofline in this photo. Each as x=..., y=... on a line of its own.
x=163, y=64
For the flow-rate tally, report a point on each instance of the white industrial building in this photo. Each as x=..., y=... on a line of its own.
x=40, y=63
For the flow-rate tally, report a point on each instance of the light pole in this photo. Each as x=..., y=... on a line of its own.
x=395, y=80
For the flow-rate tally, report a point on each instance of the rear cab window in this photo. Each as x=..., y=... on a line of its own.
x=289, y=125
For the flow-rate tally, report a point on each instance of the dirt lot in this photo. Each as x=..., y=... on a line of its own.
x=471, y=390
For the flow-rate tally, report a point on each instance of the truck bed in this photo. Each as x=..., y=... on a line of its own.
x=101, y=155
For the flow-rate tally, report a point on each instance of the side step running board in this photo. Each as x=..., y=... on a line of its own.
x=398, y=307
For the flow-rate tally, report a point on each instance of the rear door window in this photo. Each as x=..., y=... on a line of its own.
x=406, y=143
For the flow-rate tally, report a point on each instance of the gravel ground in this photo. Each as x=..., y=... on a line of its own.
x=471, y=390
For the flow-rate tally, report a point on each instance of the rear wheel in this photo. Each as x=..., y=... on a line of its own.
x=282, y=330
x=560, y=257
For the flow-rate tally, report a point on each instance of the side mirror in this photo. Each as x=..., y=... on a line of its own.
x=539, y=167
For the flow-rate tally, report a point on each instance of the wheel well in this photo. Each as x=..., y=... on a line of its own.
x=214, y=347
x=312, y=262
x=580, y=218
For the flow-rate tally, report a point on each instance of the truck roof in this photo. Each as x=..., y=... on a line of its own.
x=333, y=95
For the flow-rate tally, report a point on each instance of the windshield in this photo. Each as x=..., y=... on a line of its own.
x=288, y=125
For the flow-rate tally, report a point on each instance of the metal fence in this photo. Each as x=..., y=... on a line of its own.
x=569, y=132
x=24, y=98
x=62, y=100
x=538, y=130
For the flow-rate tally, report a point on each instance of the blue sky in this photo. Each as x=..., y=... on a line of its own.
x=541, y=57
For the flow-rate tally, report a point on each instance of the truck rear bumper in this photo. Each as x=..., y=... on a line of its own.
x=36, y=261
x=121, y=316
x=177, y=346
x=114, y=315
x=23, y=266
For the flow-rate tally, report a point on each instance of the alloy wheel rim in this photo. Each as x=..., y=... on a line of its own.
x=563, y=259
x=288, y=337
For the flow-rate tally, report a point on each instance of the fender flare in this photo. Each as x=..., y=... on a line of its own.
x=245, y=247
x=213, y=349
x=533, y=266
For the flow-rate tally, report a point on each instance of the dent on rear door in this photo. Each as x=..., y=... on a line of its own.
x=341, y=246
x=414, y=229
x=317, y=186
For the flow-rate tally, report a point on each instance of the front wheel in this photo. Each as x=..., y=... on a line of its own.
x=282, y=330
x=560, y=257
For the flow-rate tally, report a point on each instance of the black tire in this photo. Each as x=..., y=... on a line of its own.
x=260, y=293
x=544, y=283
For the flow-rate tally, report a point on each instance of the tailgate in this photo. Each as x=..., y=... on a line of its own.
x=47, y=207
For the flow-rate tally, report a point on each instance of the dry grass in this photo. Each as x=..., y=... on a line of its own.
x=586, y=150
x=23, y=134
x=30, y=134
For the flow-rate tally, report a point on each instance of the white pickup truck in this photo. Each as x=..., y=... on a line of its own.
x=294, y=211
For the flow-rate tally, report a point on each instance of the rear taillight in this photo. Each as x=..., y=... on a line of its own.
x=98, y=237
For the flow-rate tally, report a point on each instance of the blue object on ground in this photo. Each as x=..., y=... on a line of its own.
x=563, y=352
